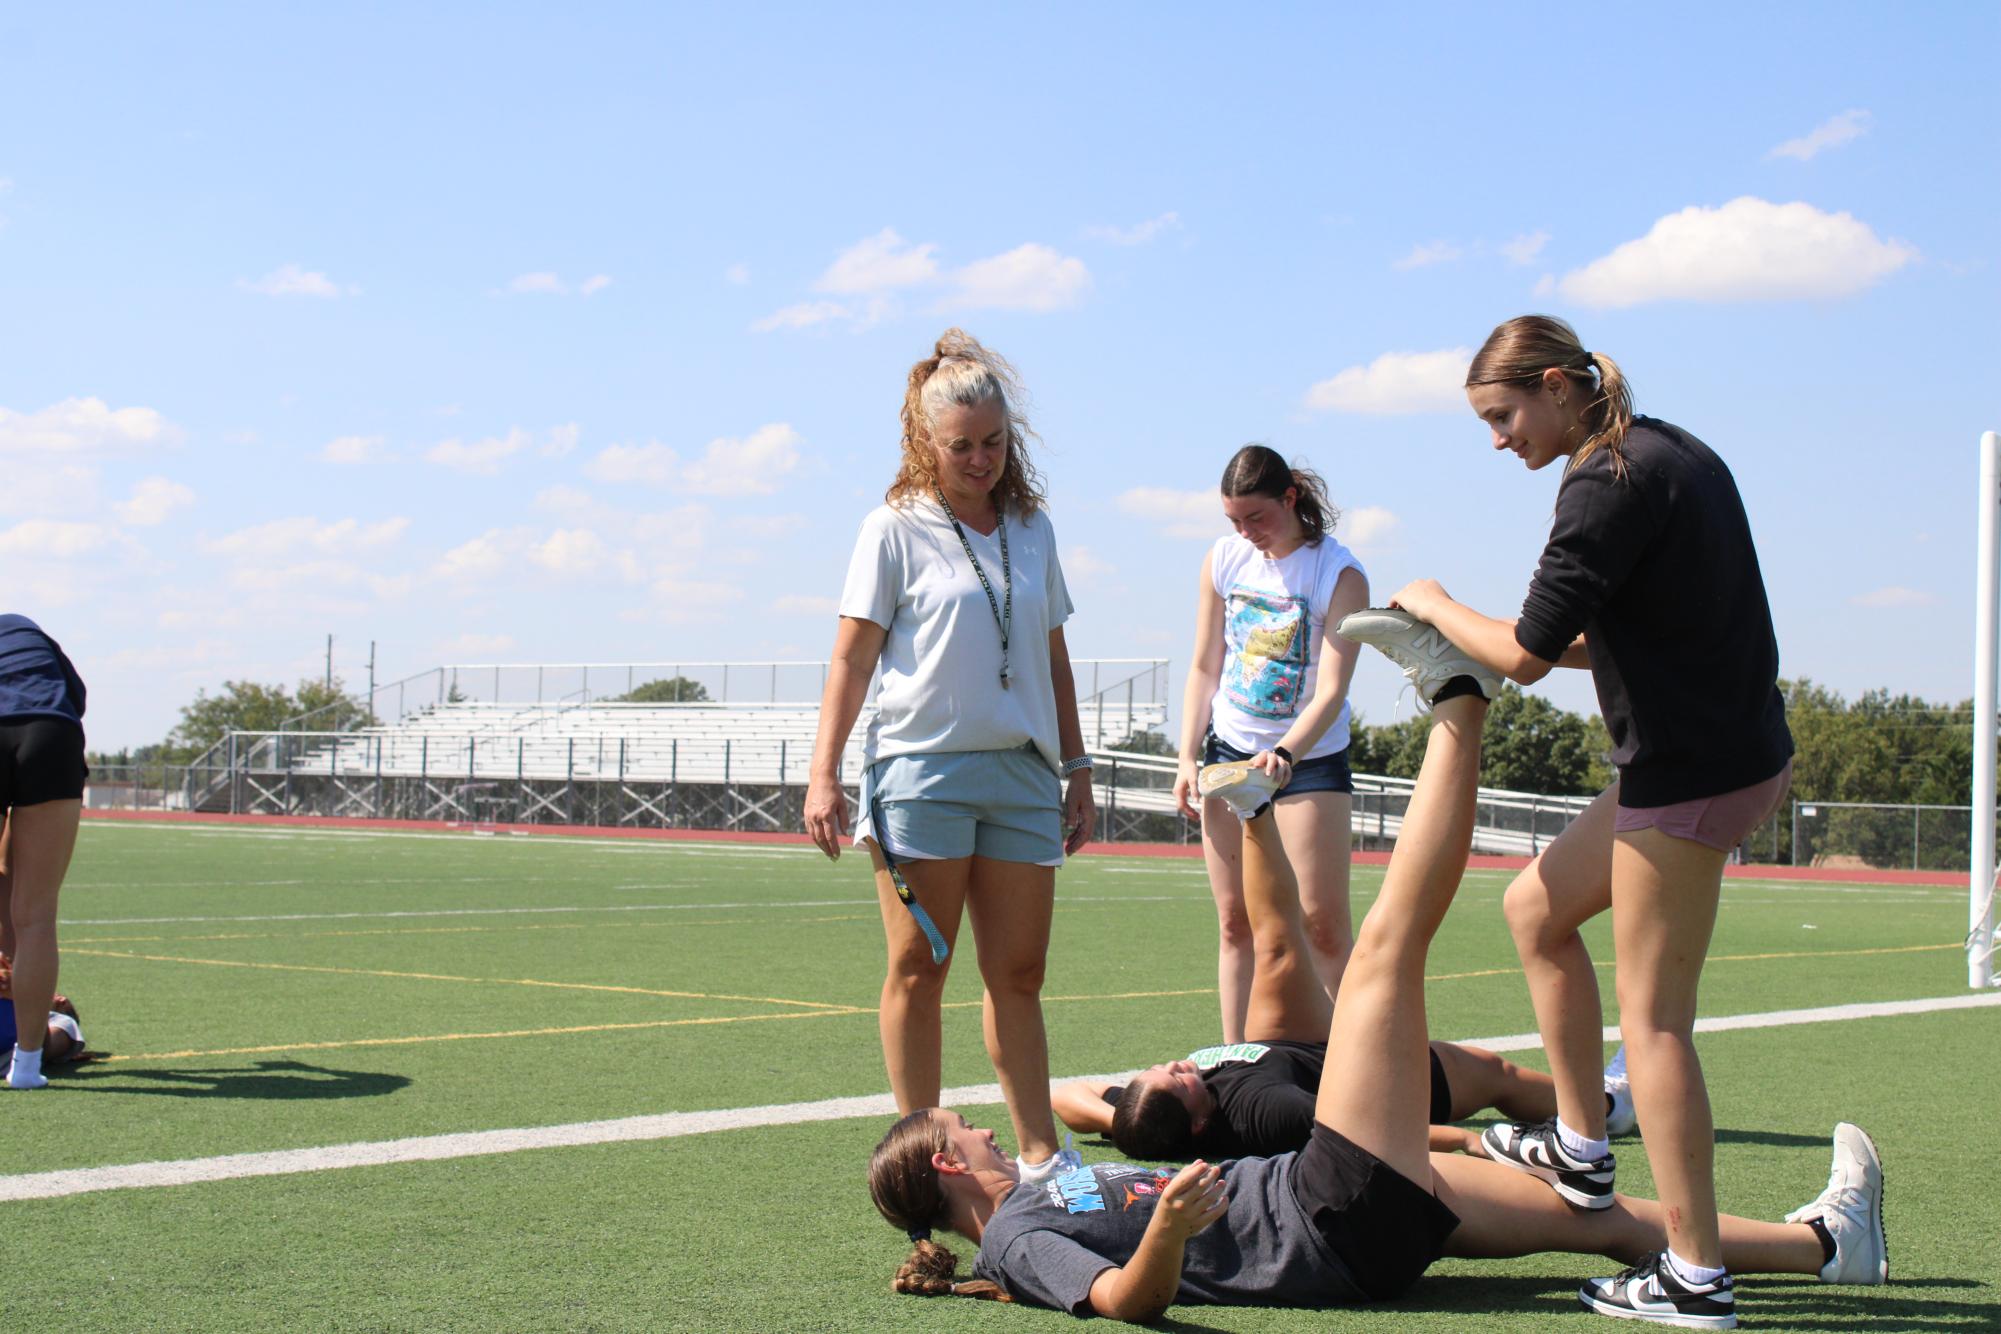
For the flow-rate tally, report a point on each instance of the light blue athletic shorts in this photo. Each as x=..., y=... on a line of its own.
x=1002, y=804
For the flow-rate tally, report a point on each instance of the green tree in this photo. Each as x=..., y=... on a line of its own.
x=242, y=706
x=1145, y=742
x=667, y=690
x=1532, y=746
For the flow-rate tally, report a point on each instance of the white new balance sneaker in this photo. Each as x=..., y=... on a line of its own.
x=1427, y=657
x=1851, y=1209
x=1620, y=1119
x=1244, y=789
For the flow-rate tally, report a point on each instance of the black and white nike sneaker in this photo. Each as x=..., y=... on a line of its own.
x=1535, y=1149
x=1651, y=1290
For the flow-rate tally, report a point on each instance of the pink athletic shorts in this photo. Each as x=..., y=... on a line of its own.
x=1721, y=822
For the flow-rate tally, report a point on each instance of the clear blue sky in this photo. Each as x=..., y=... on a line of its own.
x=422, y=324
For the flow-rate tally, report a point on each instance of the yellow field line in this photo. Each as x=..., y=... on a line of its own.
x=448, y=977
x=441, y=930
x=276, y=1048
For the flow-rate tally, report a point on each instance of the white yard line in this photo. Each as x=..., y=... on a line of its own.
x=671, y=1125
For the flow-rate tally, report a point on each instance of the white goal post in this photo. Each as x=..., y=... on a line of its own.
x=1987, y=581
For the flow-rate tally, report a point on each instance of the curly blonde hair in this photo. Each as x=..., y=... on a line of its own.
x=961, y=372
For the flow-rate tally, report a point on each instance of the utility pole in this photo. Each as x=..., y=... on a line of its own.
x=329, y=664
x=371, y=683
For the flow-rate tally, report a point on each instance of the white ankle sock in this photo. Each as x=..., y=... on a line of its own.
x=26, y=1072
x=1692, y=1274
x=1578, y=1147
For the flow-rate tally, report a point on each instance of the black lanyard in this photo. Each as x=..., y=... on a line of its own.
x=1002, y=618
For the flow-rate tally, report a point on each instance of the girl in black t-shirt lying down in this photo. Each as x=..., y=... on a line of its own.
x=1365, y=1207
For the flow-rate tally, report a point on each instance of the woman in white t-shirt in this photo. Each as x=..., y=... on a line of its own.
x=1269, y=684
x=954, y=591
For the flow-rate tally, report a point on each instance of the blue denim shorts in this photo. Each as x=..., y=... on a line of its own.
x=1002, y=804
x=1327, y=773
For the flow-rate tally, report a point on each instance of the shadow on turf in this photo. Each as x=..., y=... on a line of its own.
x=1796, y=1303
x=281, y=1081
x=1771, y=1138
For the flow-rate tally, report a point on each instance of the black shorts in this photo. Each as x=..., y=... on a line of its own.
x=1441, y=1092
x=1382, y=1225
x=1324, y=773
x=41, y=759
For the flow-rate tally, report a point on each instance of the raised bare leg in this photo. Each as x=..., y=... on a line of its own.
x=1317, y=829
x=1376, y=1089
x=1236, y=958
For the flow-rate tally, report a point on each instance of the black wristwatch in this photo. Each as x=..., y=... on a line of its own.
x=1285, y=755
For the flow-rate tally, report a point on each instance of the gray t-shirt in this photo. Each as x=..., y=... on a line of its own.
x=1048, y=1243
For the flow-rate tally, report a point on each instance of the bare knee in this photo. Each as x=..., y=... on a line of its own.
x=1329, y=936
x=1526, y=907
x=916, y=979
x=1233, y=926
x=1017, y=977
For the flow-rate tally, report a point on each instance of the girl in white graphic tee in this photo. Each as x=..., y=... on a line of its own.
x=1269, y=683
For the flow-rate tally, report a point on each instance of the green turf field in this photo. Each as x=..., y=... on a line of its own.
x=272, y=990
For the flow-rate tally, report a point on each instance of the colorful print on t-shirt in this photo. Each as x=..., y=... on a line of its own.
x=1267, y=675
x=1208, y=1058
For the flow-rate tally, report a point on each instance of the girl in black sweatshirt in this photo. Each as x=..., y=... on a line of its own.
x=1650, y=580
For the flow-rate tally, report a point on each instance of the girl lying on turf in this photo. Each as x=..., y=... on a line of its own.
x=1365, y=1208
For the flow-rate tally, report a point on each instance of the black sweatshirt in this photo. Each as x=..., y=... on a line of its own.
x=1656, y=569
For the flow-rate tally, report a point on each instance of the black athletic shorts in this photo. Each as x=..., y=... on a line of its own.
x=41, y=759
x=1378, y=1222
x=1441, y=1092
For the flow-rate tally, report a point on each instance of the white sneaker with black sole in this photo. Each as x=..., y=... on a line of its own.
x=1427, y=657
x=1620, y=1118
x=1651, y=1290
x=1851, y=1209
x=1537, y=1150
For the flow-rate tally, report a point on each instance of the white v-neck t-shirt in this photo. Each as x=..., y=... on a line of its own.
x=939, y=687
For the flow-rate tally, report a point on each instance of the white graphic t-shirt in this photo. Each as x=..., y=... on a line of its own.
x=1274, y=615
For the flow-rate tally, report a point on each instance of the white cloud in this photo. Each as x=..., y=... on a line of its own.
x=802, y=315
x=59, y=539
x=482, y=557
x=1179, y=513
x=805, y=604
x=1433, y=252
x=1746, y=250
x=879, y=263
x=291, y=280
x=1524, y=248
x=82, y=425
x=280, y=537
x=652, y=463
x=353, y=449
x=1397, y=383
x=564, y=499
x=48, y=491
x=594, y=284
x=152, y=501
x=1028, y=277
x=562, y=441
x=1137, y=234
x=543, y=284
x=1369, y=526
x=570, y=551
x=737, y=274
x=482, y=457
x=1893, y=596
x=1833, y=132
x=752, y=466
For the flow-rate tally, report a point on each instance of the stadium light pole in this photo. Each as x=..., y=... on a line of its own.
x=1980, y=900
